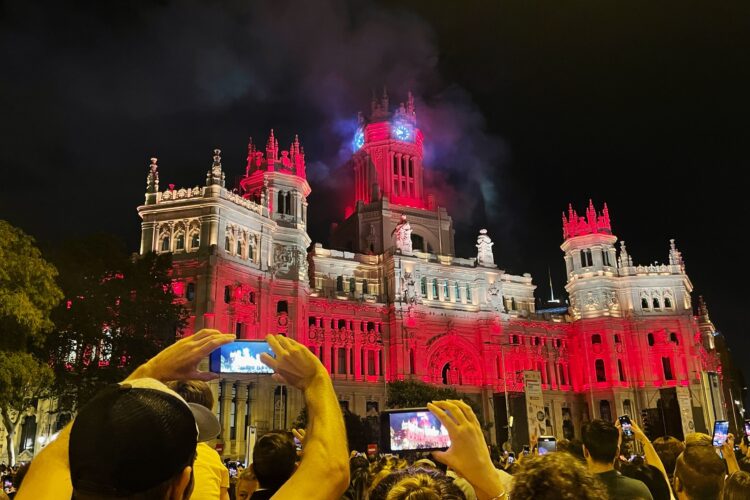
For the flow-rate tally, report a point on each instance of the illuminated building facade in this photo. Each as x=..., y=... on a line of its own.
x=391, y=300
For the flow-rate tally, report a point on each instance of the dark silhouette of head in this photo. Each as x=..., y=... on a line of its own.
x=274, y=459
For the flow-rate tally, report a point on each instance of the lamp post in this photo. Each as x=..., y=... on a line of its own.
x=505, y=390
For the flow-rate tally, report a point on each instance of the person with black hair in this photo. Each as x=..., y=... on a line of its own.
x=274, y=462
x=601, y=446
x=651, y=476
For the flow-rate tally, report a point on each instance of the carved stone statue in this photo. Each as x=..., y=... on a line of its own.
x=408, y=288
x=402, y=232
x=484, y=250
x=495, y=297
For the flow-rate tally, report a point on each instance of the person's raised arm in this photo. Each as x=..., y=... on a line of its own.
x=323, y=471
x=727, y=450
x=468, y=454
x=49, y=473
x=649, y=452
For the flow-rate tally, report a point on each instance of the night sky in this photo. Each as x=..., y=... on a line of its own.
x=526, y=107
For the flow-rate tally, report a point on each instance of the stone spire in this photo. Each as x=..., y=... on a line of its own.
x=215, y=176
x=484, y=244
x=152, y=179
x=675, y=256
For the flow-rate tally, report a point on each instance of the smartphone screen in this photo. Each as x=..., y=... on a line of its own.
x=627, y=427
x=413, y=429
x=525, y=450
x=747, y=428
x=721, y=429
x=240, y=356
x=298, y=444
x=511, y=458
x=547, y=444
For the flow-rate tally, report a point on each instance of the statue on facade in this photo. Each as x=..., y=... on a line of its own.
x=408, y=288
x=402, y=232
x=495, y=297
x=484, y=250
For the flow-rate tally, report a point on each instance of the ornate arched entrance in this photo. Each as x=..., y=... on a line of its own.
x=453, y=361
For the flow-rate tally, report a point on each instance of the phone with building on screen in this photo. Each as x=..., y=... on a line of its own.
x=721, y=430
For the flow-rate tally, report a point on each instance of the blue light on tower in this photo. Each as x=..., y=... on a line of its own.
x=401, y=131
x=359, y=140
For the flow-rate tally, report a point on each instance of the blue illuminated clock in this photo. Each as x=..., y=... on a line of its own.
x=402, y=131
x=359, y=139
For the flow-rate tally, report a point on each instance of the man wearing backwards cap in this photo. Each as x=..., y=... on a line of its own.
x=138, y=439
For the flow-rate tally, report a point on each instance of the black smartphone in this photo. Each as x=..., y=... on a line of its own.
x=297, y=444
x=525, y=449
x=511, y=457
x=412, y=429
x=240, y=356
x=721, y=429
x=547, y=444
x=747, y=428
x=626, y=426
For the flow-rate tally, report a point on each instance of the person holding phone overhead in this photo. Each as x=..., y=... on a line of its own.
x=601, y=446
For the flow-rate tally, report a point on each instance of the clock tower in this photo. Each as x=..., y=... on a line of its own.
x=389, y=182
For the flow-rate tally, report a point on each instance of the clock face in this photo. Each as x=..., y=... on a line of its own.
x=359, y=139
x=402, y=131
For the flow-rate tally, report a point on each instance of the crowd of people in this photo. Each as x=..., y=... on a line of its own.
x=145, y=439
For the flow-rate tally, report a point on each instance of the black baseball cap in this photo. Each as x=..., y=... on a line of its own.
x=134, y=436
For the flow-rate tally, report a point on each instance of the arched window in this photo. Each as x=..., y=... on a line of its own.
x=627, y=407
x=458, y=292
x=352, y=285
x=617, y=338
x=227, y=294
x=434, y=289
x=227, y=244
x=667, y=303
x=666, y=364
x=417, y=242
x=605, y=257
x=596, y=339
x=561, y=373
x=605, y=412
x=341, y=324
x=239, y=248
x=513, y=303
x=190, y=294
x=179, y=244
x=644, y=303
x=586, y=258
x=412, y=367
x=514, y=339
x=601, y=375
x=446, y=295
x=28, y=433
x=673, y=338
x=251, y=250
x=620, y=370
x=165, y=244
x=650, y=338
x=656, y=303
x=195, y=241
x=423, y=285
x=282, y=306
x=282, y=202
x=339, y=283
x=365, y=287
x=468, y=293
x=251, y=297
